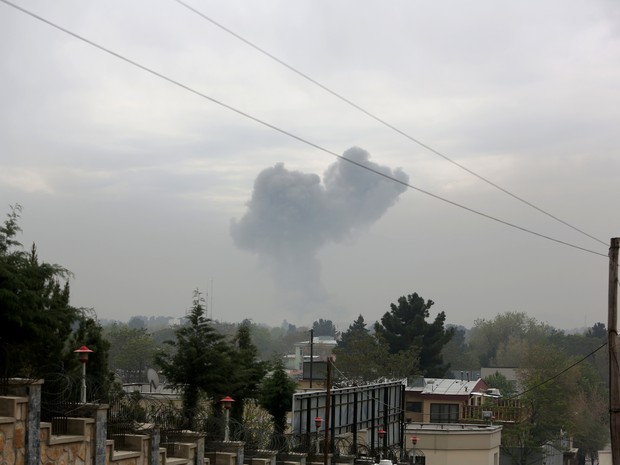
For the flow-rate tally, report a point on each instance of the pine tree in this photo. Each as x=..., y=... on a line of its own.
x=199, y=362
x=405, y=327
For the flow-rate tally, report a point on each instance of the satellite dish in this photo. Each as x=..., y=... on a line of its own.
x=153, y=378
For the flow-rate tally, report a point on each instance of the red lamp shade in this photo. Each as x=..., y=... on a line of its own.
x=227, y=402
x=414, y=440
x=317, y=422
x=83, y=353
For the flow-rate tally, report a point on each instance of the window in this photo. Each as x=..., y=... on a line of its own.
x=415, y=407
x=444, y=413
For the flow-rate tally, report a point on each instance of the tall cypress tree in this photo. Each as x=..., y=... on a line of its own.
x=250, y=370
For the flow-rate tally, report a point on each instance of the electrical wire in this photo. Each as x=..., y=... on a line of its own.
x=381, y=120
x=290, y=134
x=583, y=359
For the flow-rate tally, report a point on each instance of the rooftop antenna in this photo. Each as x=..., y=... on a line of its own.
x=211, y=299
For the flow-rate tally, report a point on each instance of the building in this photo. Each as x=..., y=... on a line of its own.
x=309, y=362
x=447, y=444
x=433, y=400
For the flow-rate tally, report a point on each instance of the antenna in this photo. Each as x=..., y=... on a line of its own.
x=153, y=378
x=211, y=299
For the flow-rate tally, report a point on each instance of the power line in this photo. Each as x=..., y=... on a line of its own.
x=381, y=120
x=583, y=359
x=290, y=134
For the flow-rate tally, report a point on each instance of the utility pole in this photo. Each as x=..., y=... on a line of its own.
x=311, y=354
x=328, y=419
x=612, y=337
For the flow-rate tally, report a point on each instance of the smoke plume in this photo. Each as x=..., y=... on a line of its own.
x=291, y=215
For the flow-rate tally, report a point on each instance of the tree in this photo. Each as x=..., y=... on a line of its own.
x=136, y=323
x=356, y=329
x=561, y=397
x=362, y=357
x=132, y=351
x=324, y=328
x=90, y=334
x=39, y=329
x=504, y=339
x=199, y=362
x=276, y=396
x=457, y=353
x=251, y=370
x=499, y=381
x=35, y=314
x=591, y=432
x=405, y=326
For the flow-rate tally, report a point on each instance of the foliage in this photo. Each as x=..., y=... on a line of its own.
x=405, y=326
x=199, y=361
x=457, y=353
x=561, y=397
x=591, y=431
x=502, y=341
x=597, y=331
x=132, y=351
x=39, y=329
x=362, y=357
x=35, y=315
x=499, y=381
x=276, y=396
x=250, y=370
x=324, y=328
x=90, y=334
x=275, y=342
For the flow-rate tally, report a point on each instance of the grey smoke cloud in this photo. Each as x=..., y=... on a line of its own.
x=291, y=215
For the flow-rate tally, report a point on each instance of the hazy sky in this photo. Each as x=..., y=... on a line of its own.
x=147, y=191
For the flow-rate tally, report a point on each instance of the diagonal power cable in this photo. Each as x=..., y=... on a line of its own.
x=383, y=122
x=290, y=134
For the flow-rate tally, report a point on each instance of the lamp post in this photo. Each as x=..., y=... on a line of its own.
x=381, y=434
x=83, y=357
x=227, y=404
x=317, y=423
x=414, y=441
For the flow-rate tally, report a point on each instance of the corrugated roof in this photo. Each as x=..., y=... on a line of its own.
x=444, y=386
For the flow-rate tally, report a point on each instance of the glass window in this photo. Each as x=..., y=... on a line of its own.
x=444, y=413
x=413, y=407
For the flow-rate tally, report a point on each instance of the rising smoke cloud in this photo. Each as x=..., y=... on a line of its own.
x=291, y=215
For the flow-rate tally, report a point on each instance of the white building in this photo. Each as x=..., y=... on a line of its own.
x=448, y=444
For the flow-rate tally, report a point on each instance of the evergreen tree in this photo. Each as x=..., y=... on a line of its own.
x=199, y=362
x=90, y=334
x=362, y=357
x=405, y=327
x=276, y=396
x=35, y=315
x=251, y=370
x=39, y=329
x=355, y=330
x=324, y=328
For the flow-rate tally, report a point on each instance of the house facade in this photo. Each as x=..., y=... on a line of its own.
x=435, y=400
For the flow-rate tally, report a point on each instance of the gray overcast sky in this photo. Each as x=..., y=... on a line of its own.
x=146, y=191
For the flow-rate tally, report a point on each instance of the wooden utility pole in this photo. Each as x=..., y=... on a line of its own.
x=612, y=337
